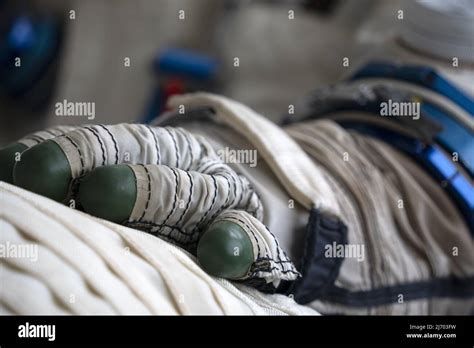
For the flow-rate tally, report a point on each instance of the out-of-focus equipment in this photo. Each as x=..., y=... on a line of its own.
x=179, y=71
x=439, y=137
x=439, y=28
x=29, y=45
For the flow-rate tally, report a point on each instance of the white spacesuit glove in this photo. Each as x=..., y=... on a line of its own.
x=162, y=180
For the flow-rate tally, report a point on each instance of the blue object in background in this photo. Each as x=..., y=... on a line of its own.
x=196, y=72
x=21, y=34
x=420, y=75
x=186, y=63
x=454, y=137
x=431, y=158
x=29, y=46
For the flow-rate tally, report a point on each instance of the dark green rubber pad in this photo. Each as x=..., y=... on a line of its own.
x=225, y=250
x=109, y=192
x=7, y=160
x=44, y=169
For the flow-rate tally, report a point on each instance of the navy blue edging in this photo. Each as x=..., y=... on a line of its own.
x=318, y=272
x=452, y=287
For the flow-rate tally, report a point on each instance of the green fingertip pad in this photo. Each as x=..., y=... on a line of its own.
x=109, y=192
x=8, y=156
x=44, y=169
x=225, y=250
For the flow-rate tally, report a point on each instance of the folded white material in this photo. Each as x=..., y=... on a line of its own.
x=85, y=265
x=299, y=175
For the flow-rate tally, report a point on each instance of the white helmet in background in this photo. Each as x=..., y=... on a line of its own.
x=439, y=28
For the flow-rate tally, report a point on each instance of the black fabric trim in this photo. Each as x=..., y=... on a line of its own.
x=318, y=272
x=451, y=287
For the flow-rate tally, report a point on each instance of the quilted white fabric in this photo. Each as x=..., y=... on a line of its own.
x=86, y=265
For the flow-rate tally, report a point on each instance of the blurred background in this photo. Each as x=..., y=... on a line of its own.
x=128, y=56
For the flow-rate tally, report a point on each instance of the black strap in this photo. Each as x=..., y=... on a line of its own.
x=449, y=287
x=318, y=272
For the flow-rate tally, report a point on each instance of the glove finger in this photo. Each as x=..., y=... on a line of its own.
x=168, y=202
x=12, y=152
x=59, y=164
x=179, y=206
x=224, y=251
x=92, y=146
